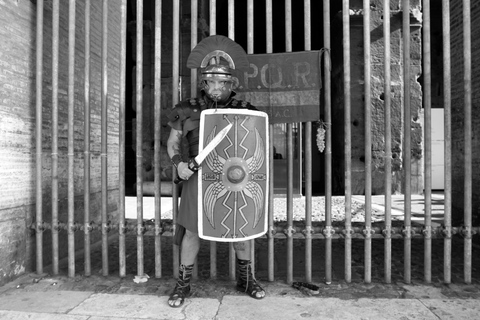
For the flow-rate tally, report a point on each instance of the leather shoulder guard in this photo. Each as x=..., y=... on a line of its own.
x=241, y=104
x=192, y=105
x=186, y=107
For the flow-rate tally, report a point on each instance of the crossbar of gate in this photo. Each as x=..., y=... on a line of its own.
x=309, y=230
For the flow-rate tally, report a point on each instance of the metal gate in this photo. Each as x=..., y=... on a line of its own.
x=308, y=231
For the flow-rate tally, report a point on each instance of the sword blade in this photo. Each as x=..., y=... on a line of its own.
x=215, y=141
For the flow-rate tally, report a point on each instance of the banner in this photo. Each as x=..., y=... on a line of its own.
x=284, y=85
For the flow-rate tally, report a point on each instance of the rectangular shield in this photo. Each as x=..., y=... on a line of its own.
x=234, y=178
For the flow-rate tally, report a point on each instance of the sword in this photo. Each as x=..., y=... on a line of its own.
x=194, y=163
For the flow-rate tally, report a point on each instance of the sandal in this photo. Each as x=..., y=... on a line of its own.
x=182, y=289
x=177, y=298
x=246, y=282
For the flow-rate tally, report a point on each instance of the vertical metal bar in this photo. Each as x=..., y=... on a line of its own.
x=86, y=142
x=308, y=159
x=388, y=145
x=55, y=40
x=104, y=146
x=231, y=19
x=250, y=27
x=288, y=48
x=175, y=100
x=348, y=140
x=328, y=138
x=193, y=72
x=213, y=244
x=368, y=142
x=271, y=232
x=250, y=51
x=158, y=137
x=231, y=259
x=139, y=135
x=288, y=25
x=467, y=85
x=213, y=17
x=71, y=150
x=38, y=140
x=231, y=35
x=193, y=43
x=213, y=260
x=269, y=25
x=427, y=95
x=447, y=100
x=289, y=203
x=121, y=140
x=307, y=25
x=406, y=143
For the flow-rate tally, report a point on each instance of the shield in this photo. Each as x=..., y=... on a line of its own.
x=233, y=179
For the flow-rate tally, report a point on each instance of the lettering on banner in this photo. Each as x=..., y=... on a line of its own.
x=271, y=76
x=284, y=85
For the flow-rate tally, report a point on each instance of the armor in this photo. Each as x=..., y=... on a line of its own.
x=186, y=117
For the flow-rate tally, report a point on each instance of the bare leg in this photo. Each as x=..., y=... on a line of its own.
x=190, y=247
x=242, y=249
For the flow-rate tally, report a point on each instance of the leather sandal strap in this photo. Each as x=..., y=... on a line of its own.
x=180, y=292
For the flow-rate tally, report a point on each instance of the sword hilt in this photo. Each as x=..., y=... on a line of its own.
x=192, y=165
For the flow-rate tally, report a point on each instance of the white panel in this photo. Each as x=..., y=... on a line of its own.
x=438, y=150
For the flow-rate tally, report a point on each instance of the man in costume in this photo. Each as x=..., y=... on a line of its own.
x=216, y=56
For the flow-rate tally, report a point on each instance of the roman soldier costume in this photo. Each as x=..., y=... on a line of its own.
x=216, y=57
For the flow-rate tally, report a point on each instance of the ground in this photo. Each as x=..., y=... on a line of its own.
x=205, y=287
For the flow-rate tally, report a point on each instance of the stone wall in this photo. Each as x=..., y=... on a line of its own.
x=458, y=118
x=17, y=126
x=377, y=99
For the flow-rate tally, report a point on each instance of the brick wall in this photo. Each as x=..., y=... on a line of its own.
x=458, y=118
x=17, y=126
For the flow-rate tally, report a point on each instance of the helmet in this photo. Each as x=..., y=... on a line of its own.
x=217, y=56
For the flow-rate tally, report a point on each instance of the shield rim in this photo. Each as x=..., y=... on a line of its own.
x=229, y=111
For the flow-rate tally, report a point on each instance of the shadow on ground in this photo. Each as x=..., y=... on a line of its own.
x=357, y=288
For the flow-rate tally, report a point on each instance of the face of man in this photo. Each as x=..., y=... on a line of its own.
x=218, y=90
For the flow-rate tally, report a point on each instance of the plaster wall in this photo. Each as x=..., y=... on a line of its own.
x=17, y=126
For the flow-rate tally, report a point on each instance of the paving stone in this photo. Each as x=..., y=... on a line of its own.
x=41, y=301
x=331, y=308
x=145, y=306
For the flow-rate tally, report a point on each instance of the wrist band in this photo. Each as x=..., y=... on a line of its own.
x=176, y=159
